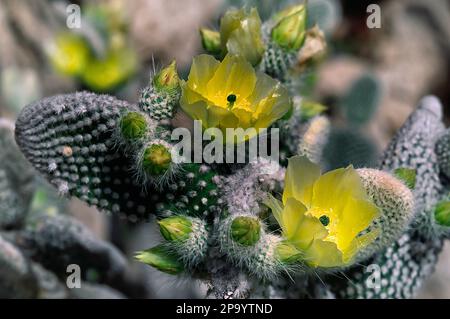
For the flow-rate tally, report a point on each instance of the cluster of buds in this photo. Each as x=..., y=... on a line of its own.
x=276, y=46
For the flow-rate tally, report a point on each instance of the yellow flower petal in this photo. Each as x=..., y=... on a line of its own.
x=335, y=188
x=324, y=254
x=196, y=108
x=300, y=177
x=359, y=243
x=233, y=76
x=299, y=228
x=202, y=69
x=357, y=215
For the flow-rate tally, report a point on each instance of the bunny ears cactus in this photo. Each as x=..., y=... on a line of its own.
x=216, y=220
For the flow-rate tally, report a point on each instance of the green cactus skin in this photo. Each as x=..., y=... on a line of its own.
x=276, y=61
x=347, y=146
x=396, y=203
x=411, y=259
x=70, y=139
x=193, y=249
x=361, y=101
x=260, y=259
x=443, y=152
x=158, y=105
x=314, y=139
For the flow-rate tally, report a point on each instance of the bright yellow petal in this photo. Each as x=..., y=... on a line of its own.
x=194, y=106
x=218, y=116
x=335, y=188
x=357, y=215
x=202, y=70
x=323, y=254
x=299, y=228
x=359, y=243
x=233, y=76
x=301, y=174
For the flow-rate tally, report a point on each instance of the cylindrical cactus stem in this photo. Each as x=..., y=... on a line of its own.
x=246, y=243
x=396, y=202
x=187, y=236
x=442, y=150
x=314, y=139
x=70, y=139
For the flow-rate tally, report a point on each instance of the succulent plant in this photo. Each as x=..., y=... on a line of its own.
x=226, y=223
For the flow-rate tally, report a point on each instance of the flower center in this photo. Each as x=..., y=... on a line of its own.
x=325, y=220
x=231, y=99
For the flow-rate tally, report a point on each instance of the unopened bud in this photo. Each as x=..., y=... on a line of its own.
x=289, y=33
x=133, y=126
x=176, y=228
x=167, y=79
x=162, y=259
x=156, y=159
x=245, y=230
x=211, y=41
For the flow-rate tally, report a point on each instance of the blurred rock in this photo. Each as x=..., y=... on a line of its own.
x=16, y=277
x=93, y=291
x=58, y=241
x=168, y=29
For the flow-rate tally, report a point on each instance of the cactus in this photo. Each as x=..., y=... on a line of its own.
x=227, y=224
x=361, y=101
x=346, y=146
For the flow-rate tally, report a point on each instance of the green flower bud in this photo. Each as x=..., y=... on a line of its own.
x=211, y=41
x=167, y=80
x=407, y=175
x=289, y=33
x=176, y=228
x=240, y=34
x=287, y=253
x=310, y=109
x=156, y=159
x=245, y=230
x=442, y=213
x=162, y=259
x=133, y=126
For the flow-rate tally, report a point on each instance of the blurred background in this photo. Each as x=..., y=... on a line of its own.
x=370, y=81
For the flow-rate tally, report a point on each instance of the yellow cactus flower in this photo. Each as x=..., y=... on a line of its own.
x=105, y=74
x=230, y=94
x=240, y=34
x=69, y=53
x=325, y=217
